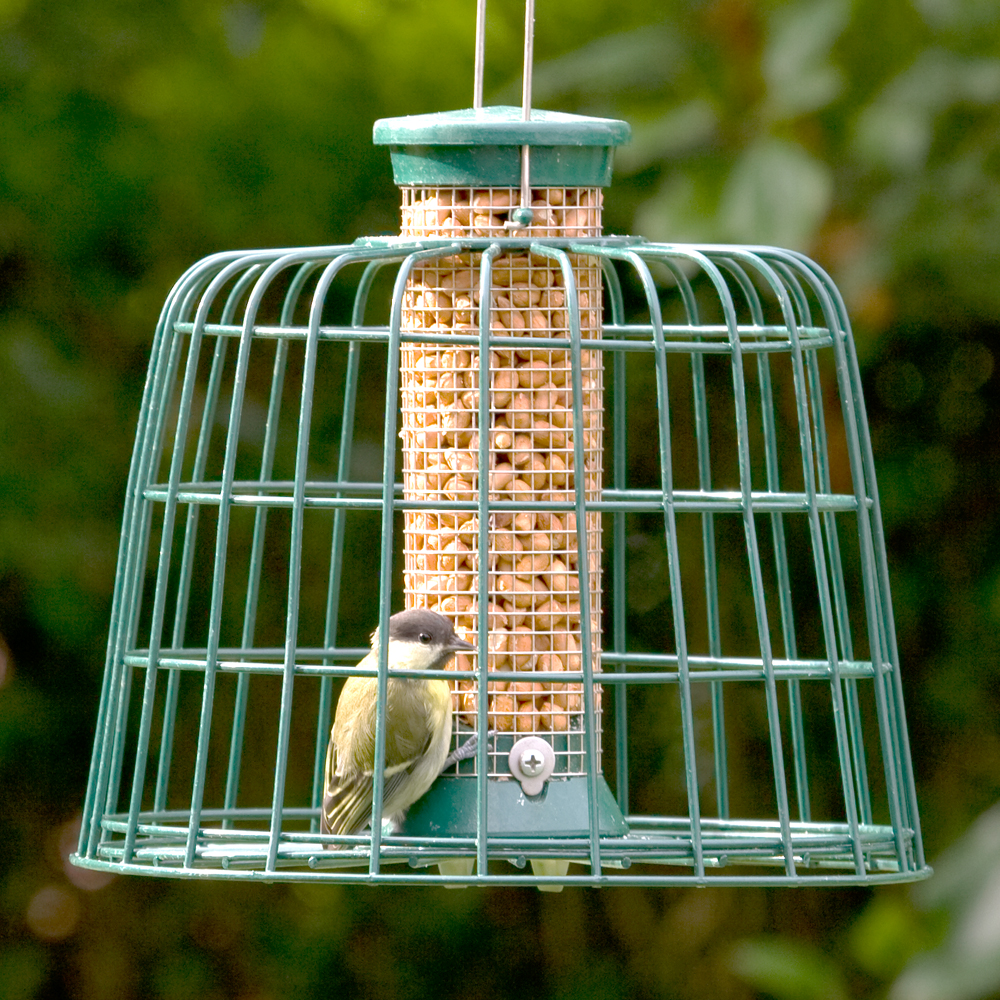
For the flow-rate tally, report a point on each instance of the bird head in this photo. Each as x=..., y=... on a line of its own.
x=421, y=640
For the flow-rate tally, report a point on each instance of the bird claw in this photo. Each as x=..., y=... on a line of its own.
x=464, y=752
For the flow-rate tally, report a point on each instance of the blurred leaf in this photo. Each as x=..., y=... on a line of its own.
x=887, y=934
x=777, y=194
x=787, y=969
x=795, y=61
x=594, y=980
x=962, y=872
x=679, y=131
x=897, y=129
x=644, y=59
x=10, y=10
x=683, y=210
x=967, y=16
x=966, y=966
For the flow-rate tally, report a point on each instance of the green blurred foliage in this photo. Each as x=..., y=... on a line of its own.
x=136, y=138
x=788, y=969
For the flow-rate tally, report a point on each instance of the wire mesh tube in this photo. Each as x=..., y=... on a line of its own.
x=532, y=558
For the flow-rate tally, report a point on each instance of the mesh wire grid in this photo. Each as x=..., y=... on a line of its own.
x=752, y=710
x=533, y=583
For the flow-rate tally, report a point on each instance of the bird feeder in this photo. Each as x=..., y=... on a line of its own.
x=637, y=476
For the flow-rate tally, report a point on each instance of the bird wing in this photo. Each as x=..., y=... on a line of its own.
x=347, y=805
x=348, y=786
x=344, y=805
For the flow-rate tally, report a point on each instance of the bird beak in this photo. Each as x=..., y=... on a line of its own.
x=459, y=645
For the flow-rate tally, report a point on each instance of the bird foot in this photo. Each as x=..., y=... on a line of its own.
x=464, y=752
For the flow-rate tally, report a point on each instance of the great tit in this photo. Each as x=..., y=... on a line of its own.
x=417, y=729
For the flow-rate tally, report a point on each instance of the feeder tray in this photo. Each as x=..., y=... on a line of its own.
x=637, y=476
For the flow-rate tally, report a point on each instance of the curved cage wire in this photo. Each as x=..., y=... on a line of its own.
x=740, y=712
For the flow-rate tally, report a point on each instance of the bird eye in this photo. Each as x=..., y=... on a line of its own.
x=425, y=637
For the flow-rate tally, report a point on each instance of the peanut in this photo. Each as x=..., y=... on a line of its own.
x=533, y=615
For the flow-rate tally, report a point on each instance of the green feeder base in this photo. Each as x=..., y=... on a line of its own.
x=559, y=810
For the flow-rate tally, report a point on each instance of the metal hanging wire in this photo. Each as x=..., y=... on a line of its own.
x=480, y=55
x=525, y=216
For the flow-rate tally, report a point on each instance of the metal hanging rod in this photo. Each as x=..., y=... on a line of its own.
x=529, y=52
x=477, y=85
x=529, y=48
x=522, y=216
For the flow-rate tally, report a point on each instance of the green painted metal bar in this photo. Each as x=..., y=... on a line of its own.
x=673, y=557
x=702, y=668
x=711, y=577
x=149, y=450
x=633, y=501
x=843, y=731
x=753, y=554
x=185, y=569
x=824, y=587
x=623, y=337
x=888, y=694
x=345, y=452
x=256, y=560
x=149, y=438
x=386, y=554
x=890, y=656
x=166, y=540
x=261, y=286
x=784, y=586
x=839, y=594
x=720, y=747
x=786, y=609
x=122, y=626
x=840, y=602
x=184, y=579
x=295, y=553
x=901, y=742
x=482, y=543
x=845, y=737
x=592, y=752
x=814, y=390
x=619, y=606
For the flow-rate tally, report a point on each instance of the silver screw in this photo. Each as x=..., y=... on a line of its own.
x=532, y=763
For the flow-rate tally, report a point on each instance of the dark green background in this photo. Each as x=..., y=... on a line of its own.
x=137, y=137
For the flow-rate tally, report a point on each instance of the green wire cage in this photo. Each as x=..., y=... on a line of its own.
x=650, y=465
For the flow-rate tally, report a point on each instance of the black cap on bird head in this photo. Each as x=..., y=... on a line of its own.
x=428, y=628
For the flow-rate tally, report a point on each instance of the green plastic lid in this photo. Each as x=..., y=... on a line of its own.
x=481, y=147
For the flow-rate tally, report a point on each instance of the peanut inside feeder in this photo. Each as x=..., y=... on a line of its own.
x=533, y=553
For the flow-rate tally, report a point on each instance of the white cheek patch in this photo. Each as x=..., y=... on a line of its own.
x=405, y=655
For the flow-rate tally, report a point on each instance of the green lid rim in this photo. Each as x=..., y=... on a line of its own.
x=500, y=126
x=500, y=166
